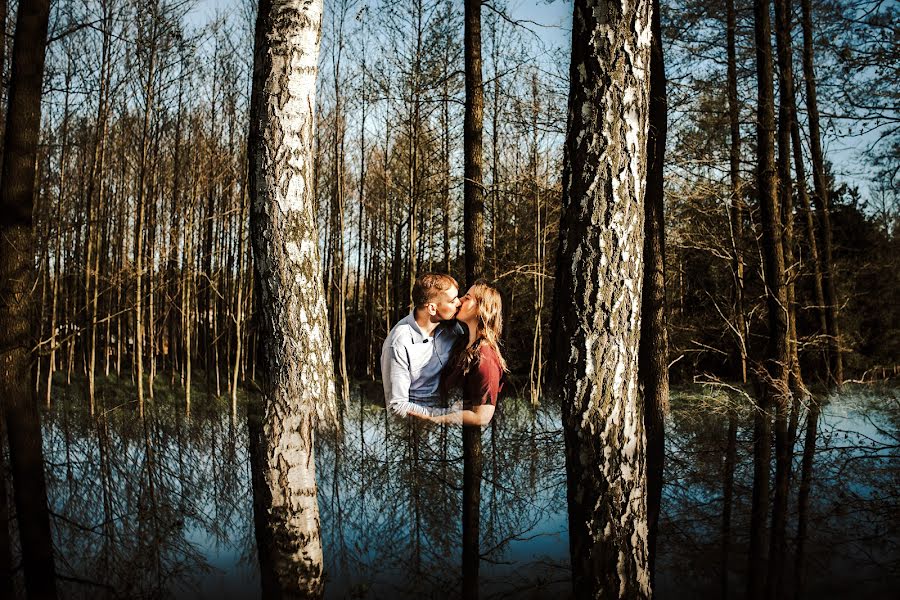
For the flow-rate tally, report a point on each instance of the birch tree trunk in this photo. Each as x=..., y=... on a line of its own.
x=23, y=426
x=597, y=314
x=296, y=363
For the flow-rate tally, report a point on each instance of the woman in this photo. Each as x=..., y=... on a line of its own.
x=476, y=366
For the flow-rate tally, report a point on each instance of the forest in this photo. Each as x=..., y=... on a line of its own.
x=729, y=222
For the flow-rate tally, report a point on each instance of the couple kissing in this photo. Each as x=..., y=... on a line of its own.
x=442, y=362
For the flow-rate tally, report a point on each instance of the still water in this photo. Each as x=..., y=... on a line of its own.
x=164, y=507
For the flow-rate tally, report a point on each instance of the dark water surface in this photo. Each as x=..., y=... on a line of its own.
x=163, y=507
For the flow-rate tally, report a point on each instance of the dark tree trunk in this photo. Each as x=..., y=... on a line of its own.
x=737, y=199
x=473, y=191
x=783, y=438
x=7, y=581
x=17, y=275
x=806, y=472
x=653, y=366
x=473, y=464
x=728, y=497
x=774, y=372
x=598, y=298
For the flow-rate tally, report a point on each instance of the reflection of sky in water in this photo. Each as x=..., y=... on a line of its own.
x=854, y=502
x=166, y=510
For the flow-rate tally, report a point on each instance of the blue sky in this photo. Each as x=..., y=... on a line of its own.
x=552, y=22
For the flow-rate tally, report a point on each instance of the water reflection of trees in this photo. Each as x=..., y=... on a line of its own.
x=853, y=507
x=163, y=507
x=141, y=508
x=392, y=505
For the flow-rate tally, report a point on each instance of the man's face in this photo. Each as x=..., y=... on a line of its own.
x=445, y=305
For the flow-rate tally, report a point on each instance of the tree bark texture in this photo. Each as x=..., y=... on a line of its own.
x=653, y=357
x=783, y=440
x=597, y=313
x=777, y=361
x=17, y=276
x=295, y=356
x=785, y=181
x=473, y=190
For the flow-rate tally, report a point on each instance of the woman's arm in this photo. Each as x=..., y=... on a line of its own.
x=477, y=415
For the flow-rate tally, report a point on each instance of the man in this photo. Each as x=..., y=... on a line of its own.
x=418, y=347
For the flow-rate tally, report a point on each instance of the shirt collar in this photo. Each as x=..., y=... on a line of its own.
x=442, y=326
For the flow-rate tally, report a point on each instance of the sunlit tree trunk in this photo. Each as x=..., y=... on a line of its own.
x=445, y=153
x=188, y=301
x=139, y=224
x=238, y=312
x=535, y=373
x=97, y=173
x=598, y=298
x=298, y=378
x=20, y=407
x=57, y=268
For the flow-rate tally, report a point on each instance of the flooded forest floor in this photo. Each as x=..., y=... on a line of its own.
x=163, y=507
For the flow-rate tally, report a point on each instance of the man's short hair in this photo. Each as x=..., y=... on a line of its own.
x=429, y=286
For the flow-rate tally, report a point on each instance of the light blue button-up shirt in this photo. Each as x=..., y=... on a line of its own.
x=411, y=365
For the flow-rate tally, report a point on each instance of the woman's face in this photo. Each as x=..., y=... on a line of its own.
x=468, y=308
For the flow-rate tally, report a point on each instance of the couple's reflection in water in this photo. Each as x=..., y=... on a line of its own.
x=427, y=506
x=411, y=509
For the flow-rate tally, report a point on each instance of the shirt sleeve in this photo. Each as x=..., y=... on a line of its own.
x=400, y=379
x=484, y=383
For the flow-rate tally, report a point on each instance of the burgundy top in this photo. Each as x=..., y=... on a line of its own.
x=482, y=384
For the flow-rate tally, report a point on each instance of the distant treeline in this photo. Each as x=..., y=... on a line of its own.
x=142, y=203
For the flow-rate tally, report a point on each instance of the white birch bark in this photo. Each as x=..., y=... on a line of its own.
x=598, y=297
x=298, y=378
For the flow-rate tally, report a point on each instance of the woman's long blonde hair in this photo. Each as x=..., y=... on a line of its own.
x=489, y=324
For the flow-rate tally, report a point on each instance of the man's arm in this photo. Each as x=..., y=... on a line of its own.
x=397, y=397
x=400, y=378
x=477, y=415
